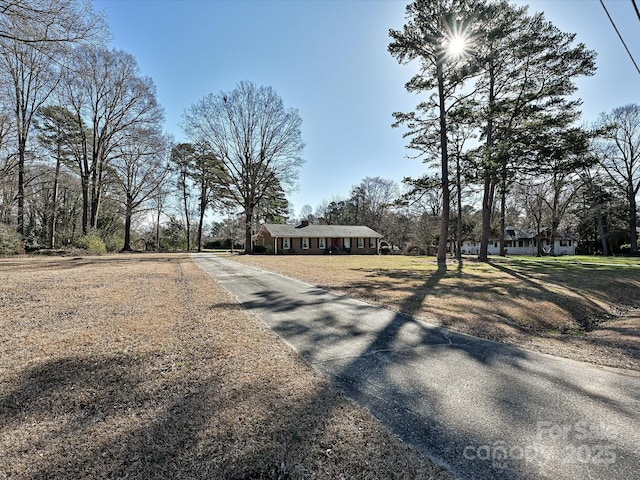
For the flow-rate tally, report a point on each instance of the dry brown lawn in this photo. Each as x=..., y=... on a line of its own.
x=585, y=312
x=142, y=367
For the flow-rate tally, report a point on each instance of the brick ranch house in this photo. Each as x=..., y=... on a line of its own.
x=306, y=239
x=525, y=242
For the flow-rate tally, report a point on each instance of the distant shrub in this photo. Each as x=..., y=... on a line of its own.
x=625, y=249
x=415, y=250
x=259, y=249
x=113, y=243
x=93, y=244
x=10, y=241
x=32, y=244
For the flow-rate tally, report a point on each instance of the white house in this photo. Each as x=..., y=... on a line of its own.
x=525, y=242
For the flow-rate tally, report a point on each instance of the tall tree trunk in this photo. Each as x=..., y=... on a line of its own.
x=487, y=209
x=503, y=214
x=127, y=225
x=185, y=200
x=54, y=204
x=459, y=199
x=22, y=148
x=85, y=204
x=489, y=184
x=94, y=194
x=97, y=194
x=539, y=234
x=21, y=172
x=601, y=232
x=158, y=229
x=483, y=255
x=444, y=225
x=82, y=161
x=633, y=222
x=248, y=222
x=203, y=209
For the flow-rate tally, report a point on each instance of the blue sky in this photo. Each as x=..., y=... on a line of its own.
x=329, y=60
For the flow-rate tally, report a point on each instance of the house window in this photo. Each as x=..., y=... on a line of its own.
x=360, y=242
x=372, y=242
x=521, y=243
x=565, y=243
x=322, y=243
x=286, y=243
x=347, y=243
x=305, y=243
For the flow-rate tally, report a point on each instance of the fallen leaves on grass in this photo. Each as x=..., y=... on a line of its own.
x=141, y=366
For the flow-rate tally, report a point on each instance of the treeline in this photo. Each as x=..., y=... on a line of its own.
x=81, y=140
x=409, y=214
x=84, y=159
x=499, y=114
x=83, y=154
x=498, y=127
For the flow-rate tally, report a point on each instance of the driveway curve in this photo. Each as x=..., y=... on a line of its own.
x=483, y=409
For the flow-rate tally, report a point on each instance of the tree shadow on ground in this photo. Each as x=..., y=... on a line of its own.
x=423, y=382
x=610, y=284
x=530, y=304
x=88, y=417
x=582, y=309
x=407, y=403
x=73, y=262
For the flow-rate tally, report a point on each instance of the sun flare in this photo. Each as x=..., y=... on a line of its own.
x=457, y=46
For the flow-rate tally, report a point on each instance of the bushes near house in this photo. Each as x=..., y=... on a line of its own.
x=221, y=245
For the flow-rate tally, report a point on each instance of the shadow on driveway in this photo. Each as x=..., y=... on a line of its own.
x=483, y=409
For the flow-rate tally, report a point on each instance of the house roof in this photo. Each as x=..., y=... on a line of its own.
x=512, y=234
x=319, y=231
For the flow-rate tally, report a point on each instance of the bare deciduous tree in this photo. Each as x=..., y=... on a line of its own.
x=31, y=78
x=258, y=141
x=109, y=99
x=620, y=157
x=141, y=166
x=41, y=22
x=34, y=36
x=8, y=167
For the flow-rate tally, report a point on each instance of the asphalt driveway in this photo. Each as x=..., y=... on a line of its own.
x=483, y=409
